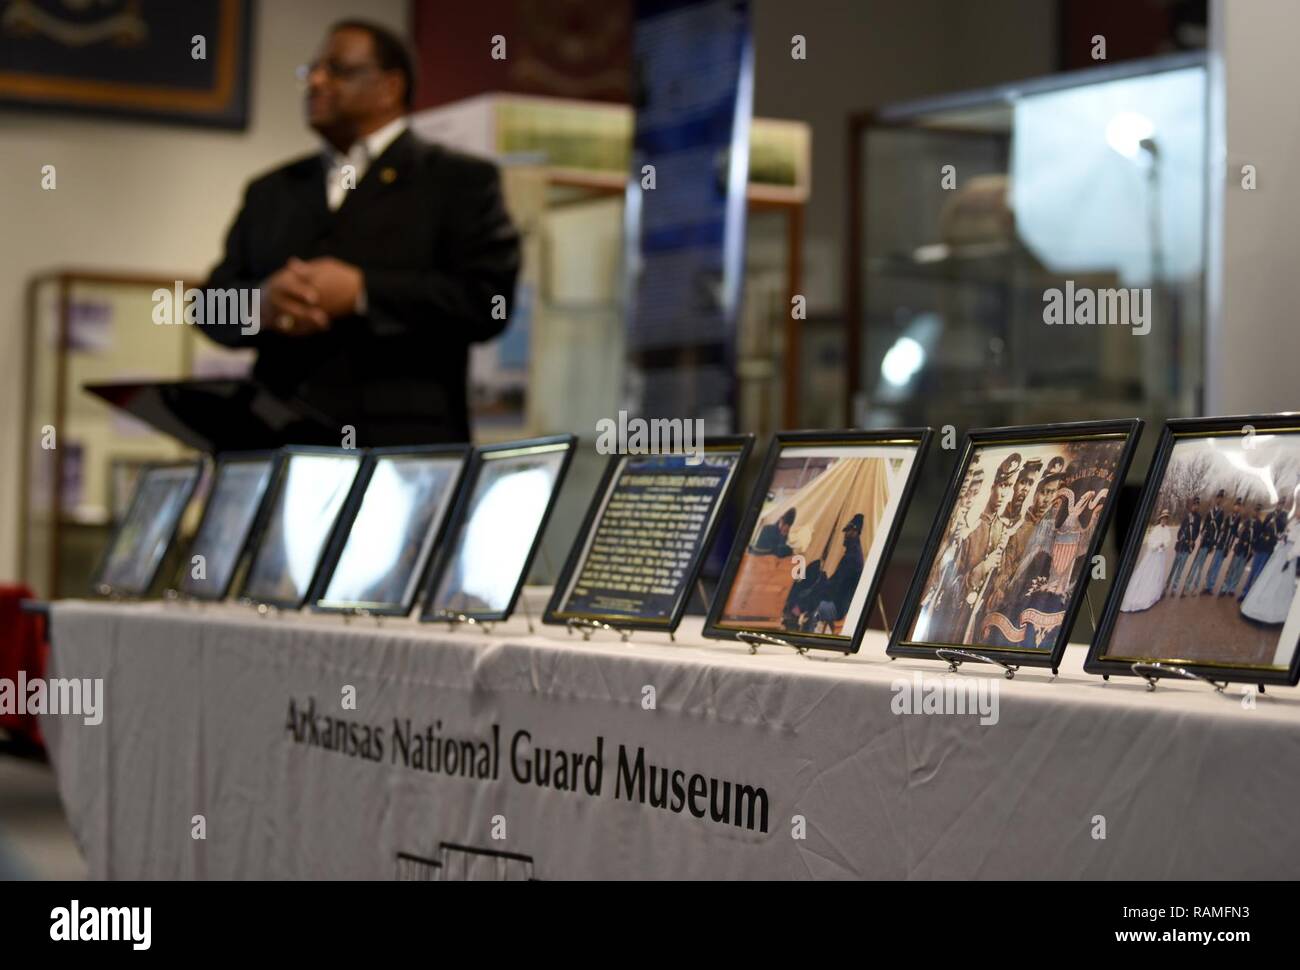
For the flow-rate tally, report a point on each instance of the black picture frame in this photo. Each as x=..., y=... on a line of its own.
x=1177, y=429
x=450, y=546
x=88, y=65
x=343, y=531
x=219, y=592
x=101, y=588
x=1129, y=430
x=916, y=438
x=738, y=445
x=287, y=454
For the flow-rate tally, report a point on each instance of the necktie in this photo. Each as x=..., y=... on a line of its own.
x=344, y=173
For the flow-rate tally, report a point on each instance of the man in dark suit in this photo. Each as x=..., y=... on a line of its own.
x=379, y=260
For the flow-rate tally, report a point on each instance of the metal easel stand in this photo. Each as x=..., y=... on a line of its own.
x=175, y=598
x=587, y=627
x=1092, y=618
x=1150, y=678
x=454, y=619
x=528, y=614
x=262, y=609
x=889, y=629
x=361, y=613
x=755, y=640
x=955, y=658
x=523, y=593
x=704, y=601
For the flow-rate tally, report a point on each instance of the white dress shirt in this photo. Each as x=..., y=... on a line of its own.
x=339, y=178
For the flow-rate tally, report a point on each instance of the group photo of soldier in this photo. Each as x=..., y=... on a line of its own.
x=1219, y=555
x=1015, y=545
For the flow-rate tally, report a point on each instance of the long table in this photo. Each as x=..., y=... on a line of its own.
x=235, y=745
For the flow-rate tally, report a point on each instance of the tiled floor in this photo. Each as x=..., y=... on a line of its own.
x=35, y=841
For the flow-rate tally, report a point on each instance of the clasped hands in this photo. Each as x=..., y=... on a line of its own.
x=304, y=296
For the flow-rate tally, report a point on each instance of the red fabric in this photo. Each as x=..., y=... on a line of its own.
x=22, y=647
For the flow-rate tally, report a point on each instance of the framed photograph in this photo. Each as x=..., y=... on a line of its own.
x=1208, y=578
x=387, y=535
x=496, y=529
x=123, y=476
x=239, y=488
x=638, y=554
x=136, y=552
x=1008, y=560
x=307, y=499
x=143, y=59
x=820, y=527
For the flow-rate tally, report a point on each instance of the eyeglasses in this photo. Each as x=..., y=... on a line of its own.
x=334, y=70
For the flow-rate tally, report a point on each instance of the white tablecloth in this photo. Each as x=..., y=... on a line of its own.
x=204, y=717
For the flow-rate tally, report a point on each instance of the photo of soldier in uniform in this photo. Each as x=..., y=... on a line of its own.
x=1215, y=577
x=1015, y=546
x=818, y=540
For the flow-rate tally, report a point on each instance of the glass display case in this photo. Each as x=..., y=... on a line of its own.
x=80, y=456
x=1031, y=253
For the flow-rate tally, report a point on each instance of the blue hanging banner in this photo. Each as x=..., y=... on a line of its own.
x=685, y=224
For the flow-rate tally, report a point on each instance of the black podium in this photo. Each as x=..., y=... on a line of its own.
x=222, y=415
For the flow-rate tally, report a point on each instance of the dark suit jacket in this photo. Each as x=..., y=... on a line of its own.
x=428, y=228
